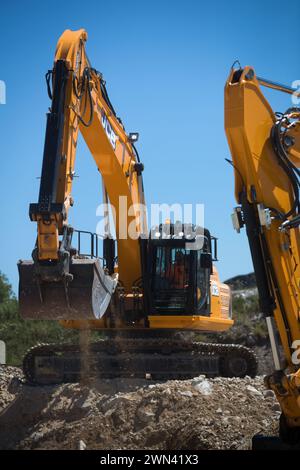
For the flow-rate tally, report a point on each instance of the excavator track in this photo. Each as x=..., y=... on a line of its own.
x=136, y=358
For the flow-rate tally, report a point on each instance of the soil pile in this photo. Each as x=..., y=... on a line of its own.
x=201, y=413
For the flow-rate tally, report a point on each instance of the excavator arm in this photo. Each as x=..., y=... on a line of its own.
x=265, y=149
x=79, y=102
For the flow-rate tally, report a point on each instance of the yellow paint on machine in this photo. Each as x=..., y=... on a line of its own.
x=180, y=322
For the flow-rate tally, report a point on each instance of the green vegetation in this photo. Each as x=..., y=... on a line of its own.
x=245, y=308
x=249, y=324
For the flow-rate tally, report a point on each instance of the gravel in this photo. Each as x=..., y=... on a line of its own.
x=201, y=413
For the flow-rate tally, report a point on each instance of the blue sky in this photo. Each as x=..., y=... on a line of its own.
x=165, y=63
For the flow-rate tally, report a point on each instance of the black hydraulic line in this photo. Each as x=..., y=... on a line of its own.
x=264, y=271
x=236, y=169
x=106, y=97
x=75, y=83
x=286, y=165
x=136, y=152
x=53, y=140
x=48, y=78
x=86, y=89
x=293, y=223
x=82, y=89
x=266, y=296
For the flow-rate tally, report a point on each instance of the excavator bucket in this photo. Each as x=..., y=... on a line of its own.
x=85, y=297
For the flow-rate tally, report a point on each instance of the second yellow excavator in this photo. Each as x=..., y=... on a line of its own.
x=146, y=286
x=265, y=149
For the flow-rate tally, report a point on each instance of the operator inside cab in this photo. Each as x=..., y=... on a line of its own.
x=177, y=271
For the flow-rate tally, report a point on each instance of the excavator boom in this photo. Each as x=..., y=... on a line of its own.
x=265, y=149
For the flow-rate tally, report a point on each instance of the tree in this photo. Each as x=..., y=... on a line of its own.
x=6, y=292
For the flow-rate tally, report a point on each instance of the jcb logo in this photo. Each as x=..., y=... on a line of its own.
x=2, y=92
x=109, y=131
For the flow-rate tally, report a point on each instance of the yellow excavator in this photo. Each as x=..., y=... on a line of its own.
x=265, y=149
x=141, y=288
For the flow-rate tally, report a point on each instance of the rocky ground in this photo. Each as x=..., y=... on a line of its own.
x=129, y=414
x=196, y=414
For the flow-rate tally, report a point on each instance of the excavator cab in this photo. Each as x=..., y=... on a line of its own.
x=180, y=269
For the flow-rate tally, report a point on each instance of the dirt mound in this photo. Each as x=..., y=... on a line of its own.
x=136, y=414
x=10, y=385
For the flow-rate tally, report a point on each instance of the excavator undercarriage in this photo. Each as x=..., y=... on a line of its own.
x=156, y=358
